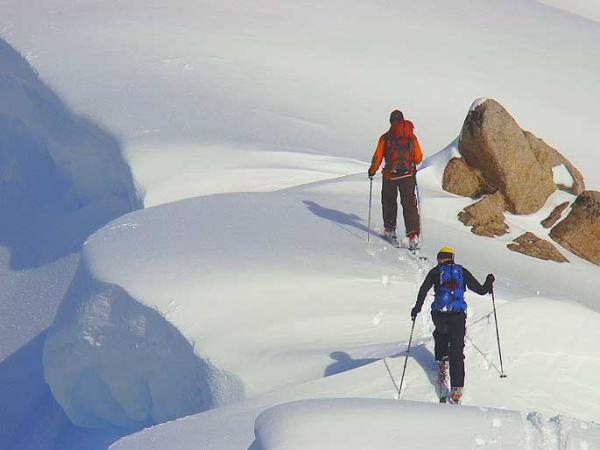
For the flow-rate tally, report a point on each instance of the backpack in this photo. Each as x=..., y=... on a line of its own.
x=398, y=155
x=450, y=295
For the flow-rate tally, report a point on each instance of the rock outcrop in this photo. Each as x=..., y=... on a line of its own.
x=531, y=245
x=550, y=158
x=549, y=221
x=461, y=179
x=579, y=232
x=514, y=170
x=486, y=217
x=493, y=143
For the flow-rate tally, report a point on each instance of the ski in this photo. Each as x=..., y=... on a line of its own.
x=392, y=241
x=416, y=253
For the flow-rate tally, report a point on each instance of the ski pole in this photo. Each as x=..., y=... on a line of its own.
x=502, y=374
x=370, y=201
x=418, y=204
x=419, y=207
x=412, y=329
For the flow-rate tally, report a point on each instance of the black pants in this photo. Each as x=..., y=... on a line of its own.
x=408, y=199
x=449, y=337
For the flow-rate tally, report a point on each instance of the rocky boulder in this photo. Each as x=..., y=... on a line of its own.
x=461, y=179
x=486, y=217
x=492, y=142
x=554, y=215
x=579, y=232
x=551, y=158
x=531, y=245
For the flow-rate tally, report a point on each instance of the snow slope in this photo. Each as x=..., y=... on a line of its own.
x=62, y=177
x=589, y=9
x=301, y=307
x=201, y=96
x=309, y=74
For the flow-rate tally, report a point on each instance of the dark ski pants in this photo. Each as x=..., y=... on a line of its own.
x=449, y=337
x=389, y=202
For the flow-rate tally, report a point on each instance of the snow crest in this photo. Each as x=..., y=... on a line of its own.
x=110, y=360
x=387, y=424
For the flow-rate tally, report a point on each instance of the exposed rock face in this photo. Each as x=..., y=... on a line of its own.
x=579, y=232
x=486, y=217
x=492, y=142
x=461, y=179
x=531, y=245
x=554, y=215
x=549, y=157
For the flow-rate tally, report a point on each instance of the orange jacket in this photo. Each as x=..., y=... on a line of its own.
x=399, y=129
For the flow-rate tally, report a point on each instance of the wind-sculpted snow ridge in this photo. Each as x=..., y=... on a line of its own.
x=348, y=424
x=62, y=176
x=112, y=361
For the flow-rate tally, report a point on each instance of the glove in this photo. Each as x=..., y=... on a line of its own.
x=371, y=175
x=413, y=312
x=489, y=281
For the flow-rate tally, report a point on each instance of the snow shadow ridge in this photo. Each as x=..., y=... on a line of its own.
x=39, y=421
x=61, y=176
x=112, y=361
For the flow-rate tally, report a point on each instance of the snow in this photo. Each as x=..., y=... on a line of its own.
x=181, y=257
x=562, y=176
x=190, y=171
x=312, y=75
x=334, y=424
x=62, y=178
x=246, y=283
x=589, y=9
x=476, y=103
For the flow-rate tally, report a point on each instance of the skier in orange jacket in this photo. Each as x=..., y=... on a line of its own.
x=400, y=149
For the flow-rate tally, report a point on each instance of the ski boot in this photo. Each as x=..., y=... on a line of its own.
x=455, y=395
x=414, y=242
x=443, y=380
x=390, y=236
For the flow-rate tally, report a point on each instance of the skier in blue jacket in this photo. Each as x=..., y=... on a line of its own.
x=448, y=311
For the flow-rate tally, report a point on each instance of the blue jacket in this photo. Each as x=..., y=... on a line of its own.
x=449, y=282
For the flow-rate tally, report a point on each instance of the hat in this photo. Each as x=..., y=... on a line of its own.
x=396, y=115
x=445, y=254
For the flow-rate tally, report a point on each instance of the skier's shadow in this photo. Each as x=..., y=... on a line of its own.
x=344, y=362
x=421, y=354
x=338, y=217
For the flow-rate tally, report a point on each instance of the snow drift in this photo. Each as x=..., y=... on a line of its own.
x=347, y=424
x=113, y=361
x=63, y=177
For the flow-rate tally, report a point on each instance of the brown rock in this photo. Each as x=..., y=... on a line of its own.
x=486, y=217
x=549, y=157
x=554, y=215
x=579, y=232
x=531, y=245
x=492, y=142
x=461, y=179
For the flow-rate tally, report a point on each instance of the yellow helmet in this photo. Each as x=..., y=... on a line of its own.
x=445, y=254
